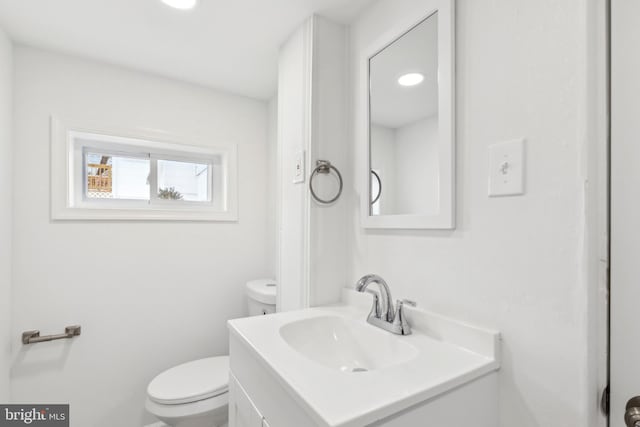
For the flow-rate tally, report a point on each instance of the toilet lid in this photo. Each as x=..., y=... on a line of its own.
x=262, y=290
x=190, y=382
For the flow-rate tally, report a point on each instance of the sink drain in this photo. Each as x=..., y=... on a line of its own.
x=359, y=370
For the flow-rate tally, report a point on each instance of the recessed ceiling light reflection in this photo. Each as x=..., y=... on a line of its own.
x=181, y=4
x=410, y=79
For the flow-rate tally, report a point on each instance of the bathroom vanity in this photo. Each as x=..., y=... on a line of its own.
x=328, y=367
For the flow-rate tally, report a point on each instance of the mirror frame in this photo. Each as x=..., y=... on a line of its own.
x=445, y=219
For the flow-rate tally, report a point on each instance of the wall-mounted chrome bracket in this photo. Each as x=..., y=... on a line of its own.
x=33, y=337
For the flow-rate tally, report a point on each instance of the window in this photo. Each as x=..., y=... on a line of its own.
x=115, y=177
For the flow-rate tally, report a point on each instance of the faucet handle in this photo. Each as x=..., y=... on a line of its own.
x=375, y=308
x=400, y=321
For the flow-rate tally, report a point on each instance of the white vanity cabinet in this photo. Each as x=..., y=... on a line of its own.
x=442, y=378
x=476, y=400
x=242, y=411
x=255, y=395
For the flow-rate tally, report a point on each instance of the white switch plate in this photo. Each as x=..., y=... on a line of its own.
x=298, y=172
x=506, y=168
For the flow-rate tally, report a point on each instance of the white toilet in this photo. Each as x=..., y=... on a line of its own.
x=195, y=394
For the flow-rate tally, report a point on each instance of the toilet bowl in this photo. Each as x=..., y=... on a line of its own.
x=195, y=394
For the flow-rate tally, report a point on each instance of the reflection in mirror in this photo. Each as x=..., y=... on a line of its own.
x=403, y=128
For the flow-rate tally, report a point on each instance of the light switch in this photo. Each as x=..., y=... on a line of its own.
x=298, y=173
x=506, y=168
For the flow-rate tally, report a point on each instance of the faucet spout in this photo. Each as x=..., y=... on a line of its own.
x=382, y=313
x=384, y=309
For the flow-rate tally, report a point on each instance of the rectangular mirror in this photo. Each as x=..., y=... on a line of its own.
x=410, y=132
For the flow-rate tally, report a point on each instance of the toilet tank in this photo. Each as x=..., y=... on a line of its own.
x=261, y=296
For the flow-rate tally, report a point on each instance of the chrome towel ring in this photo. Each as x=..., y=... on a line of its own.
x=324, y=167
x=375, y=174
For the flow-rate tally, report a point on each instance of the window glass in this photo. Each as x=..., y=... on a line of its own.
x=186, y=181
x=120, y=177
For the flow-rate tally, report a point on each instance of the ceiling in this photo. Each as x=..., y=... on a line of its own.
x=230, y=45
x=392, y=105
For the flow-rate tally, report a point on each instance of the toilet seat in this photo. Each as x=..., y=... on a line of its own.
x=215, y=408
x=191, y=382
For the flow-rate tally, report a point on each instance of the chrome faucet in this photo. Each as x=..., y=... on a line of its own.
x=382, y=313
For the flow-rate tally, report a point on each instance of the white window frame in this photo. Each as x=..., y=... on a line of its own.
x=70, y=141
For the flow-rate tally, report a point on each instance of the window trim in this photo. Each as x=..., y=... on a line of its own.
x=68, y=200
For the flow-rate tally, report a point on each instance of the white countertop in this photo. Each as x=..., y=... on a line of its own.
x=449, y=354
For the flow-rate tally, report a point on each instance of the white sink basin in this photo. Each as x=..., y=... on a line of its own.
x=317, y=356
x=346, y=345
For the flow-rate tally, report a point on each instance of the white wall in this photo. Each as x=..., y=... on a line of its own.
x=517, y=264
x=148, y=295
x=294, y=136
x=6, y=196
x=328, y=228
x=406, y=159
x=271, y=214
x=417, y=168
x=383, y=160
x=312, y=99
